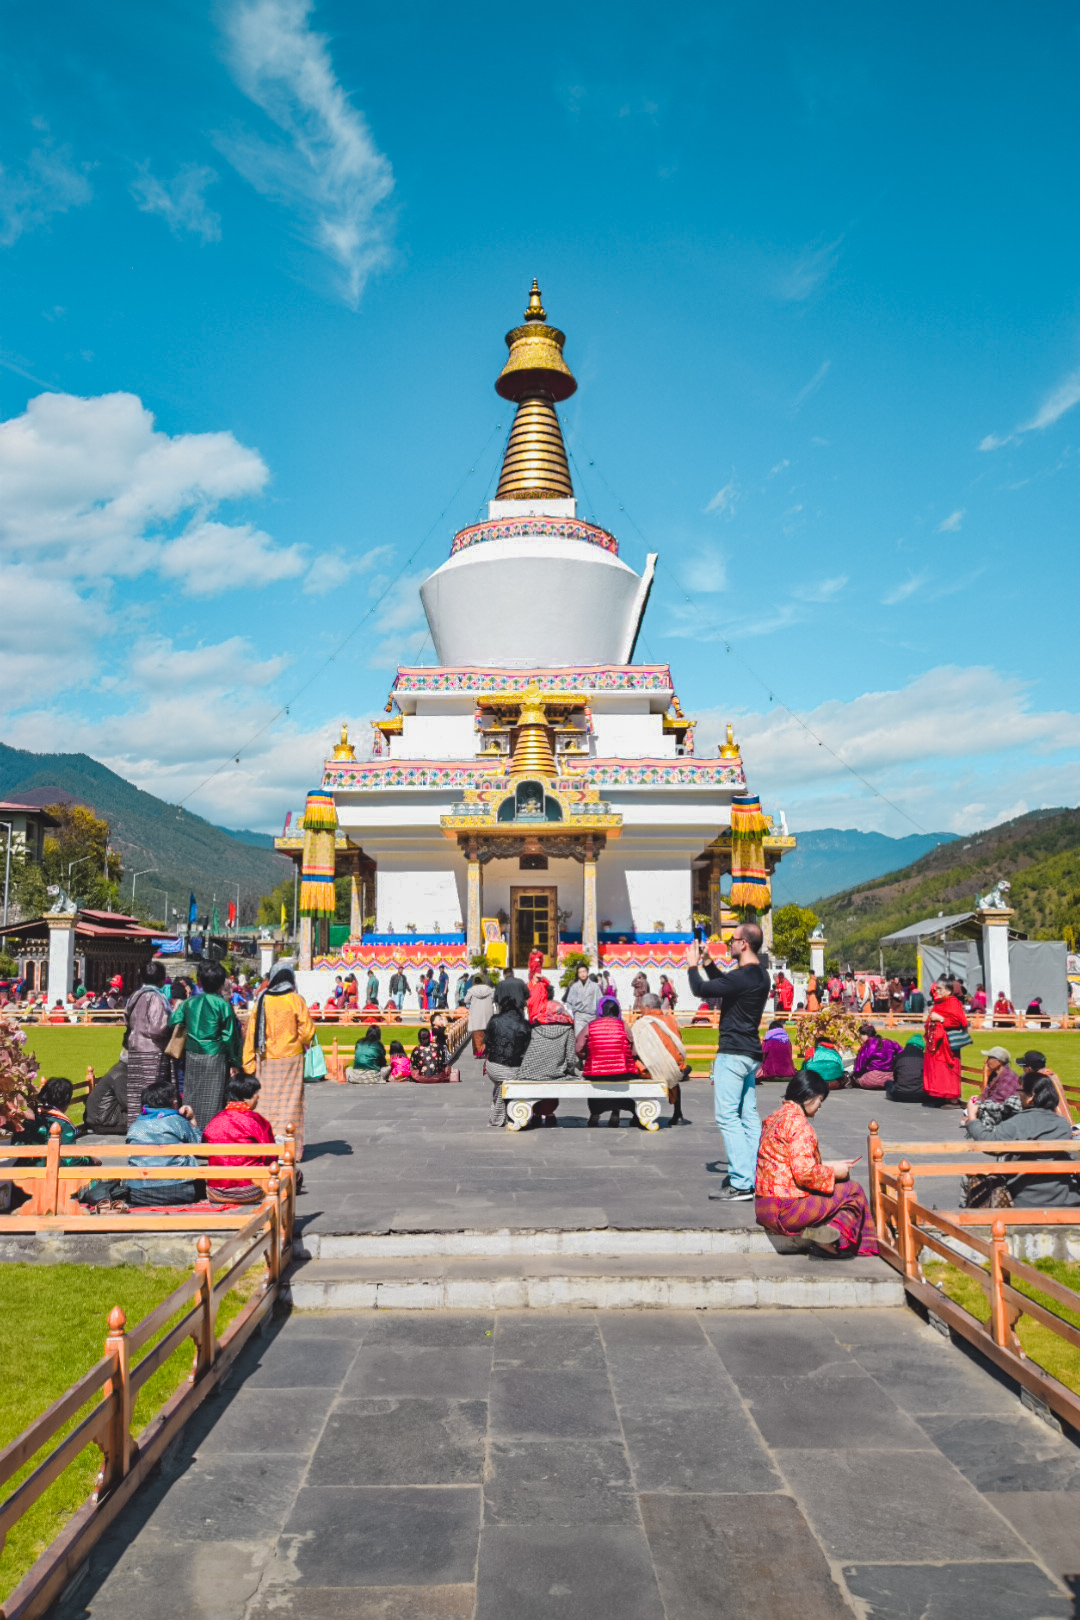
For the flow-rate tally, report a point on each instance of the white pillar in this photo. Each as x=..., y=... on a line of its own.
x=61, y=956
x=995, y=935
x=266, y=957
x=473, y=942
x=817, y=956
x=590, y=943
x=307, y=930
x=356, y=916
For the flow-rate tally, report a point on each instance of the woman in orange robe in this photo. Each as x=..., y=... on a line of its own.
x=941, y=1065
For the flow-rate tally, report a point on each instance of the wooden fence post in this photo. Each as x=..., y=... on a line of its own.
x=905, y=1236
x=290, y=1165
x=204, y=1333
x=116, y=1451
x=51, y=1191
x=273, y=1252
x=91, y=1077
x=874, y=1155
x=1000, y=1326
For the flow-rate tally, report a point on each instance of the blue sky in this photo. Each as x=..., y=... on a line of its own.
x=818, y=271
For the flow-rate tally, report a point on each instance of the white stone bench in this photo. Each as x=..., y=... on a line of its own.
x=645, y=1094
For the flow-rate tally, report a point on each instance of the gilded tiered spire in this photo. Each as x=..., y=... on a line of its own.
x=534, y=745
x=536, y=376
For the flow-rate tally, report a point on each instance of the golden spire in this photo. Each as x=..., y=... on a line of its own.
x=534, y=745
x=344, y=749
x=536, y=376
x=730, y=748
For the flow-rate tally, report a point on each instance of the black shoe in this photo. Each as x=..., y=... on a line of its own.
x=734, y=1195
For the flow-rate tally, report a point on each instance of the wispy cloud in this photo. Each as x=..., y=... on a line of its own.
x=824, y=590
x=1053, y=408
x=905, y=589
x=180, y=201
x=326, y=169
x=813, y=385
x=812, y=267
x=48, y=183
x=779, y=468
x=953, y=523
x=725, y=500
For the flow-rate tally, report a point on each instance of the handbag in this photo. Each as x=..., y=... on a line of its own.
x=958, y=1039
x=174, y=1046
x=314, y=1062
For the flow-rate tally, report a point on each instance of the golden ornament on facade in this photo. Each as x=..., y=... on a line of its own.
x=730, y=748
x=344, y=749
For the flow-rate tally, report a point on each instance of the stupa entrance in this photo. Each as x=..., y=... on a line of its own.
x=533, y=915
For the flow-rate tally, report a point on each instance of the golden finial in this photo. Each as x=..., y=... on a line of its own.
x=536, y=310
x=534, y=744
x=535, y=377
x=729, y=749
x=344, y=749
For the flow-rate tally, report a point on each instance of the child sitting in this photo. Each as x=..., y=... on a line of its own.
x=428, y=1061
x=399, y=1061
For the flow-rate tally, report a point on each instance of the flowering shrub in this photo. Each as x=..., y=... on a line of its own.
x=18, y=1074
x=831, y=1024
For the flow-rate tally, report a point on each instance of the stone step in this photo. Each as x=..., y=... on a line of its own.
x=657, y=1281
x=534, y=1243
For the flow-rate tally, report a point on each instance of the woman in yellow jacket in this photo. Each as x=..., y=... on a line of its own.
x=279, y=1030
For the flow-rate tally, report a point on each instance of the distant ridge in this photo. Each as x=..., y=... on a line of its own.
x=831, y=858
x=187, y=854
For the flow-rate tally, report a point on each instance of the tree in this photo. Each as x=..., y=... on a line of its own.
x=270, y=905
x=75, y=857
x=792, y=927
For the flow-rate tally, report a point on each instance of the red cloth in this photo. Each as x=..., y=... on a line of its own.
x=536, y=962
x=941, y=1065
x=236, y=1124
x=785, y=995
x=537, y=1001
x=608, y=1049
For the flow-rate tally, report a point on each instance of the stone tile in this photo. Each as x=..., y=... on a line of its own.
x=855, y=1327
x=1048, y=1522
x=246, y=1496
x=418, y=1328
x=688, y=1448
x=345, y=1325
x=835, y=1413
x=648, y=1377
x=337, y=1536
x=775, y=1344
x=958, y=1591
x=168, y=1578
x=461, y=1371
x=294, y=1359
x=934, y=1378
x=258, y=1420
x=880, y=1506
x=545, y=1342
x=743, y=1557
x=624, y=1328
x=1017, y=1453
x=568, y=1482
x=401, y=1442
x=364, y=1603
x=535, y=1573
x=552, y=1405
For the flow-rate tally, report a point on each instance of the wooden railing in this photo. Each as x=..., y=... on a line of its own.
x=907, y=1229
x=52, y=1184
x=111, y=1387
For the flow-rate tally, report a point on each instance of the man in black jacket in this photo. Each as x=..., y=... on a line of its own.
x=741, y=995
x=505, y=1044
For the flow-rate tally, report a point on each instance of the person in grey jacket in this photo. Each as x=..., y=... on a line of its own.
x=583, y=998
x=1036, y=1121
x=550, y=1055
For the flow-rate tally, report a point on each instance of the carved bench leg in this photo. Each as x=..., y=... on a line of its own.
x=648, y=1112
x=519, y=1113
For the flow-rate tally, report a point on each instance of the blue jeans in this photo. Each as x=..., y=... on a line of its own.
x=735, y=1097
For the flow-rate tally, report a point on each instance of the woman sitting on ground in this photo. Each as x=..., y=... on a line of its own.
x=907, y=1072
x=48, y=1108
x=874, y=1060
x=607, y=1054
x=1038, y=1120
x=161, y=1122
x=826, y=1060
x=428, y=1061
x=370, y=1063
x=797, y=1194
x=777, y=1061
x=238, y=1122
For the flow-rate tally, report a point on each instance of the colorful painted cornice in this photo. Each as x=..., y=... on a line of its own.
x=581, y=678
x=534, y=528
x=381, y=775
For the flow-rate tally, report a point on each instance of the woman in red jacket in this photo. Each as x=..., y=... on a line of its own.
x=941, y=1058
x=609, y=1055
x=238, y=1122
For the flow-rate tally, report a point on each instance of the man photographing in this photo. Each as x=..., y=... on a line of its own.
x=740, y=995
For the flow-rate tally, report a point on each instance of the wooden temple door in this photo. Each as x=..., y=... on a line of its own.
x=533, y=914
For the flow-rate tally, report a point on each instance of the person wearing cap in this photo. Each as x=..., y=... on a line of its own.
x=999, y=1081
x=1034, y=1063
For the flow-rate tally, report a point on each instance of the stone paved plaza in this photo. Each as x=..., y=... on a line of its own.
x=643, y=1465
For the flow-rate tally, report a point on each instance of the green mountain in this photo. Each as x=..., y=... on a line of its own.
x=832, y=858
x=1039, y=854
x=186, y=853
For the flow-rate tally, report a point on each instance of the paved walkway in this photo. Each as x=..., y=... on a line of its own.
x=644, y=1466
x=416, y=1158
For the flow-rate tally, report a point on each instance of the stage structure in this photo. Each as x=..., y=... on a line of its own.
x=537, y=775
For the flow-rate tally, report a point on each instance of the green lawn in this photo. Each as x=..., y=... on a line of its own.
x=1040, y=1344
x=67, y=1049
x=55, y=1323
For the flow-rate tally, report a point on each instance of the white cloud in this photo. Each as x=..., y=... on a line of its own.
x=905, y=589
x=1053, y=408
x=806, y=274
x=49, y=183
x=180, y=201
x=824, y=590
x=779, y=468
x=813, y=385
x=158, y=665
x=42, y=615
x=952, y=737
x=208, y=558
x=331, y=569
x=327, y=169
x=725, y=500
x=953, y=523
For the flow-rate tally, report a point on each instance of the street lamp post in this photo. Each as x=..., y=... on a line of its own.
x=7, y=869
x=144, y=873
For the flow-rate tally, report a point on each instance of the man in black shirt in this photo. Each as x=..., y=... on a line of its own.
x=741, y=995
